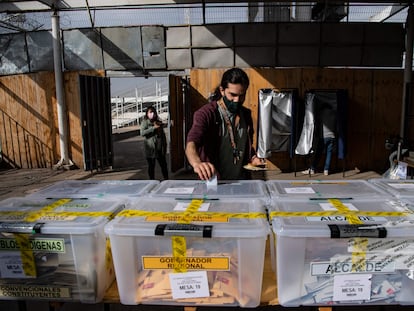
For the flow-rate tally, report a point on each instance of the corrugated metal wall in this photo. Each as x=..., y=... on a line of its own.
x=146, y=48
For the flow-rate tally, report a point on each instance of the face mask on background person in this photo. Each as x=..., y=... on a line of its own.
x=231, y=106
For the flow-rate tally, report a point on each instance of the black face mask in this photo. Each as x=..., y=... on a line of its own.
x=231, y=106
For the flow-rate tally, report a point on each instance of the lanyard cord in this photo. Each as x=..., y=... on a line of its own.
x=225, y=114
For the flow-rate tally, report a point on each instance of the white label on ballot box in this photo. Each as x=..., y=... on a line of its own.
x=331, y=207
x=11, y=265
x=299, y=190
x=180, y=190
x=348, y=267
x=189, y=284
x=344, y=218
x=349, y=206
x=351, y=287
x=182, y=206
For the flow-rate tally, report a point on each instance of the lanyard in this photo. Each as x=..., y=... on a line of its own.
x=225, y=114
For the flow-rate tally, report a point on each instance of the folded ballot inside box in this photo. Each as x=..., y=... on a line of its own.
x=343, y=252
x=55, y=249
x=96, y=189
x=190, y=252
x=323, y=189
x=189, y=189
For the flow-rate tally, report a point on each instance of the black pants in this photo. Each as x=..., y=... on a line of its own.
x=151, y=167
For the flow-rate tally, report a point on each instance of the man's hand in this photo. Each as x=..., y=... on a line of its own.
x=258, y=161
x=204, y=170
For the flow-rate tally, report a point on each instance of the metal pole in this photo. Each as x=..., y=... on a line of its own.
x=142, y=100
x=60, y=98
x=136, y=101
x=156, y=99
x=117, y=113
x=407, y=70
x=122, y=109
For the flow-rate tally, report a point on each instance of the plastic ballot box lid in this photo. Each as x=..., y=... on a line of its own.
x=222, y=189
x=51, y=216
x=323, y=189
x=400, y=188
x=95, y=189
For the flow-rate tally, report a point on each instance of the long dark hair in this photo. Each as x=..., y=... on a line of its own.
x=151, y=108
x=234, y=76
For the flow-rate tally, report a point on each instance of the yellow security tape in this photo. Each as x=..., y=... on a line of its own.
x=76, y=214
x=351, y=217
x=179, y=251
x=183, y=217
x=34, y=216
x=359, y=258
x=108, y=256
x=179, y=244
x=39, y=216
x=47, y=212
x=191, y=209
x=333, y=213
x=26, y=254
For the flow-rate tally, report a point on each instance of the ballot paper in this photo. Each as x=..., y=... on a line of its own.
x=212, y=182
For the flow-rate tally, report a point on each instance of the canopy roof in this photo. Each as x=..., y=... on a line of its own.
x=20, y=16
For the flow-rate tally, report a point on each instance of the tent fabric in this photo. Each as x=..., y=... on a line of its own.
x=275, y=122
x=312, y=125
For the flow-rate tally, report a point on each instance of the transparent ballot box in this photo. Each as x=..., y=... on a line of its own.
x=400, y=188
x=94, y=189
x=323, y=189
x=55, y=249
x=343, y=252
x=198, y=252
x=189, y=189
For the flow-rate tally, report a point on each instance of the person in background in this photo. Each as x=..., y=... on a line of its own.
x=155, y=144
x=326, y=140
x=219, y=142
